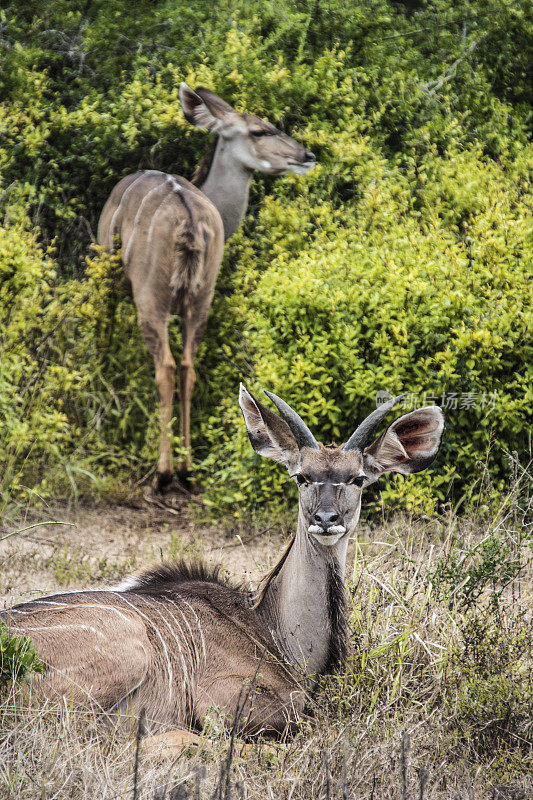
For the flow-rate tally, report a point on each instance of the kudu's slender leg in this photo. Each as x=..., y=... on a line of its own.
x=194, y=320
x=155, y=336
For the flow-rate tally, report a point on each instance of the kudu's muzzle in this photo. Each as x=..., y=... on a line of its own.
x=328, y=522
x=326, y=519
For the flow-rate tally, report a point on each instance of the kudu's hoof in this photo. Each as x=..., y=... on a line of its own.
x=170, y=744
x=162, y=481
x=185, y=481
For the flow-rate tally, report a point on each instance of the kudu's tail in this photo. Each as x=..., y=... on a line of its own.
x=189, y=257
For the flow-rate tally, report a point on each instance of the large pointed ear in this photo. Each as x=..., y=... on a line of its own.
x=410, y=444
x=203, y=108
x=269, y=435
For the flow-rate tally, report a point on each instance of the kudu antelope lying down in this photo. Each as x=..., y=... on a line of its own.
x=172, y=235
x=178, y=640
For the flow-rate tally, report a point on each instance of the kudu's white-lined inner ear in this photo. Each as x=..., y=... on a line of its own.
x=196, y=111
x=410, y=444
x=269, y=435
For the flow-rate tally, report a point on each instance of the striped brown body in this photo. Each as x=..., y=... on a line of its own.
x=177, y=641
x=172, y=238
x=152, y=646
x=172, y=234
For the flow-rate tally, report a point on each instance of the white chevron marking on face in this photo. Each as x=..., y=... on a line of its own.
x=336, y=529
x=314, y=529
x=334, y=533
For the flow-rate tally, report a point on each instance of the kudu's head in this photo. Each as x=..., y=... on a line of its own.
x=330, y=479
x=255, y=143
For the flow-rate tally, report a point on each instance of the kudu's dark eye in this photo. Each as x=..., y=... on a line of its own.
x=358, y=480
x=301, y=481
x=258, y=134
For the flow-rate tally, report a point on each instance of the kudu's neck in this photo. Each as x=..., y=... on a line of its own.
x=227, y=186
x=304, y=604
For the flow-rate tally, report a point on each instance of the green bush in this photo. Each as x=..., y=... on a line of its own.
x=399, y=263
x=34, y=426
x=18, y=658
x=77, y=400
x=463, y=578
x=433, y=303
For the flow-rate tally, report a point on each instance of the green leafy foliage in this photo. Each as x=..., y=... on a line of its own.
x=399, y=263
x=388, y=299
x=34, y=426
x=18, y=658
x=492, y=564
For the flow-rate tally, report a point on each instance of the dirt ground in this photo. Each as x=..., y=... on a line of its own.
x=84, y=547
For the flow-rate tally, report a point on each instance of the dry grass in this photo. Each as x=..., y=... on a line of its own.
x=424, y=709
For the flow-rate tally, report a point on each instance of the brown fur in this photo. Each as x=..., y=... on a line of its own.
x=178, y=640
x=172, y=237
x=108, y=648
x=270, y=576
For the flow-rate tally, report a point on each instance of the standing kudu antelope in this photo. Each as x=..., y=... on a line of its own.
x=172, y=236
x=178, y=641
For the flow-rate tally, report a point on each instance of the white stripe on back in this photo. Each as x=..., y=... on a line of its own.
x=62, y=628
x=198, y=623
x=126, y=192
x=136, y=220
x=65, y=606
x=169, y=665
x=184, y=665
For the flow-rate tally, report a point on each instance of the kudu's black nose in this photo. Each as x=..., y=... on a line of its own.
x=326, y=518
x=309, y=156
